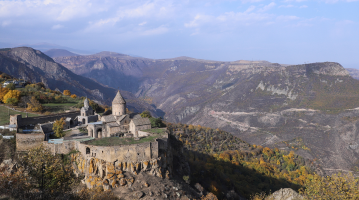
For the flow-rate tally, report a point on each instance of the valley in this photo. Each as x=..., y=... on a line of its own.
x=261, y=102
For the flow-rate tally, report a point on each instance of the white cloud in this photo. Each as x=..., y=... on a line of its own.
x=57, y=26
x=155, y=10
x=63, y=10
x=5, y=23
x=156, y=31
x=286, y=6
x=267, y=7
x=143, y=23
x=250, y=9
x=287, y=17
x=294, y=0
x=335, y=1
x=198, y=20
x=303, y=6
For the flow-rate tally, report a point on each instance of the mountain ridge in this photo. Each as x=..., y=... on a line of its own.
x=35, y=66
x=250, y=99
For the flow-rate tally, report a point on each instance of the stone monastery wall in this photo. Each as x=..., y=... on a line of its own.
x=25, y=142
x=125, y=153
x=19, y=121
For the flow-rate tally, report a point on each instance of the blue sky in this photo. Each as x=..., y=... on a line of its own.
x=286, y=31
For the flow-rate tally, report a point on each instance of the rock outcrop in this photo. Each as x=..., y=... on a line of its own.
x=285, y=194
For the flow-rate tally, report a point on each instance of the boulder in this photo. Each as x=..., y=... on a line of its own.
x=138, y=194
x=285, y=194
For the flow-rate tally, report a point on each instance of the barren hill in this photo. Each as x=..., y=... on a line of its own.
x=306, y=108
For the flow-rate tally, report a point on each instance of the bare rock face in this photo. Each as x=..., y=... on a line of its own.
x=327, y=68
x=285, y=194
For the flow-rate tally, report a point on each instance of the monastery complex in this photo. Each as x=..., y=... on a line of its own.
x=97, y=155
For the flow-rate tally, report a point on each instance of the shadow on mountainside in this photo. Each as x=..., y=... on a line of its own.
x=220, y=177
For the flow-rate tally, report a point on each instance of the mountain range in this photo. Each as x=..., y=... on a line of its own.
x=35, y=66
x=311, y=109
x=308, y=108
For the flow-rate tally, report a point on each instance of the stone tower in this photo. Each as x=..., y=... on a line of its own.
x=86, y=110
x=86, y=103
x=118, y=105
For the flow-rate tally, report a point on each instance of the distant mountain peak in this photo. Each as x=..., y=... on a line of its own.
x=53, y=53
x=109, y=53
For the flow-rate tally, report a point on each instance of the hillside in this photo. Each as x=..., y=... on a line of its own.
x=282, y=106
x=59, y=53
x=34, y=66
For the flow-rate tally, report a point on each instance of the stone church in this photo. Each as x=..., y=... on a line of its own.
x=118, y=123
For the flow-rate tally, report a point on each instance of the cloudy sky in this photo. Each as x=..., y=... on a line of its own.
x=285, y=31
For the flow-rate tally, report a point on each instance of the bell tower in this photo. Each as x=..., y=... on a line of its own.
x=118, y=105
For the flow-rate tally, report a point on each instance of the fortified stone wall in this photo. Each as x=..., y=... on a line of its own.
x=19, y=121
x=62, y=148
x=25, y=142
x=105, y=166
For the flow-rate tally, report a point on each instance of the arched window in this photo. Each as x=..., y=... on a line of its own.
x=87, y=150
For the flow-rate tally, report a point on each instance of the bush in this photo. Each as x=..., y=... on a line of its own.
x=67, y=92
x=11, y=86
x=156, y=122
x=146, y=114
x=12, y=101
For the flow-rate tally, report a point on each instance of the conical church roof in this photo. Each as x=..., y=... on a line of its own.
x=118, y=99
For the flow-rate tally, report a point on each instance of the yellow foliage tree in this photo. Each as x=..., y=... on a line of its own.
x=67, y=92
x=34, y=105
x=74, y=96
x=12, y=94
x=190, y=127
x=3, y=92
x=337, y=186
x=58, y=128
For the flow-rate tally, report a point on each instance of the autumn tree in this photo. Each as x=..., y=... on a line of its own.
x=337, y=186
x=73, y=96
x=34, y=105
x=3, y=92
x=58, y=128
x=67, y=92
x=12, y=94
x=146, y=114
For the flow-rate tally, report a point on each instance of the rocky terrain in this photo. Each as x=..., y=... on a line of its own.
x=307, y=108
x=33, y=65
